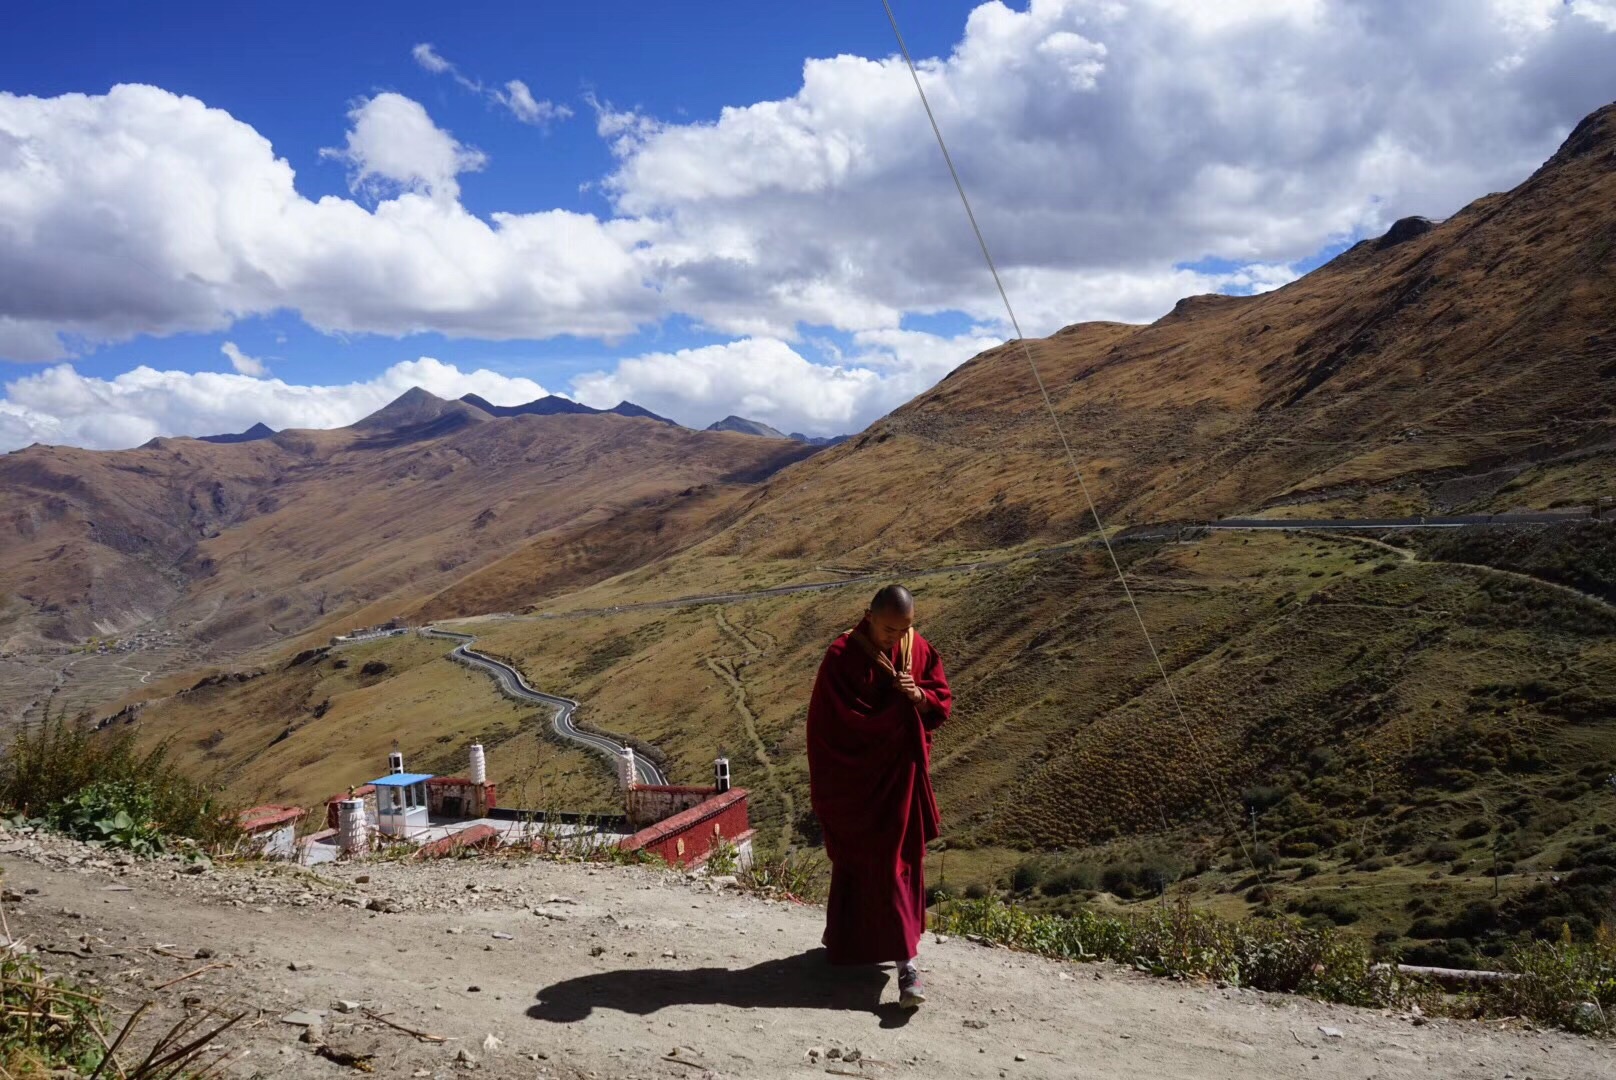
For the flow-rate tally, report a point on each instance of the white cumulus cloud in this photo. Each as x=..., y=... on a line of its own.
x=1104, y=143
x=515, y=95
x=244, y=364
x=767, y=379
x=1109, y=146
x=394, y=145
x=140, y=211
x=59, y=405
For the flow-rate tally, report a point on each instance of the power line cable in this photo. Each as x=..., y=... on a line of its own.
x=1049, y=406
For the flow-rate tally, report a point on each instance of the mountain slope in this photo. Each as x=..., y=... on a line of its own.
x=742, y=426
x=1464, y=365
x=1423, y=371
x=252, y=434
x=554, y=404
x=249, y=542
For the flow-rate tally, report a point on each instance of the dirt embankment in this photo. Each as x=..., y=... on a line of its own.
x=532, y=969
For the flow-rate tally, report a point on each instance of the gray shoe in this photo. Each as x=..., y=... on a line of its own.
x=911, y=992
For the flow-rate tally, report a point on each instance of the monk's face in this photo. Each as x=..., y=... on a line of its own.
x=886, y=627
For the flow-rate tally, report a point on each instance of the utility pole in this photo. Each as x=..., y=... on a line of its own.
x=1493, y=818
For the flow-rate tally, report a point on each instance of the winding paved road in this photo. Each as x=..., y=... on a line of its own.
x=1431, y=521
x=513, y=685
x=1131, y=533
x=511, y=682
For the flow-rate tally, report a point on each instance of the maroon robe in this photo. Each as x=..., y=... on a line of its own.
x=869, y=756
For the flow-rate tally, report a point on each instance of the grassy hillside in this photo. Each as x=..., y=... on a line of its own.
x=1392, y=720
x=309, y=726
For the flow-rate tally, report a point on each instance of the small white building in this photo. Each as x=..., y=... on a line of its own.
x=272, y=830
x=401, y=803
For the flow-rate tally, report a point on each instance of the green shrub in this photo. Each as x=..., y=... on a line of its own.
x=1565, y=983
x=1560, y=980
x=796, y=875
x=1028, y=875
x=724, y=858
x=118, y=813
x=1261, y=798
x=1440, y=853
x=1334, y=908
x=1117, y=879
x=1176, y=940
x=1083, y=877
x=1477, y=918
x=51, y=1028
x=1443, y=953
x=80, y=779
x=1159, y=872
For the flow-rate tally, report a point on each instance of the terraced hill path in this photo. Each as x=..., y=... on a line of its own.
x=730, y=669
x=1408, y=555
x=537, y=969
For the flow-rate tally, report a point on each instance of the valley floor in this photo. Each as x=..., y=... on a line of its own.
x=611, y=973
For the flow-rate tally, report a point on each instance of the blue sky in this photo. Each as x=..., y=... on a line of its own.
x=714, y=228
x=290, y=69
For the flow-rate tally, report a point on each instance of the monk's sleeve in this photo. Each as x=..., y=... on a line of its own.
x=934, y=684
x=827, y=711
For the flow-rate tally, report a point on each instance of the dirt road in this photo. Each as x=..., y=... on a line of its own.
x=610, y=973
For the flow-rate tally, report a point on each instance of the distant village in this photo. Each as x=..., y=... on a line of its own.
x=390, y=628
x=441, y=816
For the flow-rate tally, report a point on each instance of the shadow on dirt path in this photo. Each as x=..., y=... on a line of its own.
x=804, y=981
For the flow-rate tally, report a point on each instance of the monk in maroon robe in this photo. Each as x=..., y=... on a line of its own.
x=879, y=694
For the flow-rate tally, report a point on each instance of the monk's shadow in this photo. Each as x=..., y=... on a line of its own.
x=807, y=981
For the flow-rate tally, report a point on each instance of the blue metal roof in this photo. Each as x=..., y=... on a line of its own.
x=404, y=779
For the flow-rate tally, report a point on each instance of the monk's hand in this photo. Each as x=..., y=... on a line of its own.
x=906, y=683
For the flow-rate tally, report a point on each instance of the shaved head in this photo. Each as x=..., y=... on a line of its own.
x=891, y=614
x=893, y=599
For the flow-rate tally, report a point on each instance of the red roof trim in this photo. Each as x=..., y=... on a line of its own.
x=684, y=820
x=448, y=845
x=265, y=817
x=358, y=793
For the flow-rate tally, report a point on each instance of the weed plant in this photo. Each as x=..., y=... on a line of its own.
x=104, y=786
x=1565, y=984
x=51, y=1028
x=794, y=875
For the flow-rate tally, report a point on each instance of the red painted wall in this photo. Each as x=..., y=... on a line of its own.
x=687, y=837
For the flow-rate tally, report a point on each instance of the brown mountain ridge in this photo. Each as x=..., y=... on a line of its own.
x=1465, y=365
x=254, y=541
